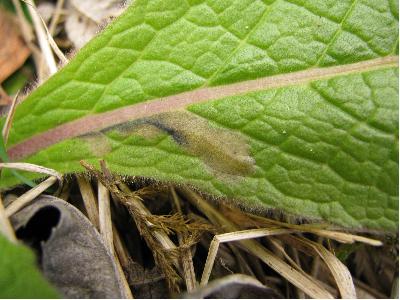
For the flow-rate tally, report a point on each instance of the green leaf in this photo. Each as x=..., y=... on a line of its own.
x=291, y=105
x=19, y=276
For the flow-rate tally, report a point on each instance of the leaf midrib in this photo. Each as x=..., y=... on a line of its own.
x=103, y=120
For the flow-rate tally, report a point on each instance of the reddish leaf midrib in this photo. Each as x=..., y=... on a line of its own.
x=100, y=121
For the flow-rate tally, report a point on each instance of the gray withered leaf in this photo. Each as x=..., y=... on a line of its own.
x=71, y=252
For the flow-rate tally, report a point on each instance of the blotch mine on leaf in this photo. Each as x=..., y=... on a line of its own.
x=224, y=152
x=221, y=149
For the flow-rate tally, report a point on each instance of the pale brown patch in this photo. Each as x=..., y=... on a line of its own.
x=146, y=131
x=224, y=151
x=221, y=149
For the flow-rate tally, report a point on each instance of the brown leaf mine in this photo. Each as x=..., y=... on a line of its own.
x=222, y=150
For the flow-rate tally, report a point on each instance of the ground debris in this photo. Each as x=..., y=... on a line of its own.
x=163, y=240
x=13, y=50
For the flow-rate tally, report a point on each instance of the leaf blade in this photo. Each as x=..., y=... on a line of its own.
x=302, y=147
x=19, y=275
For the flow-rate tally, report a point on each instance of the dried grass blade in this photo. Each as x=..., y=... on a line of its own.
x=164, y=257
x=120, y=249
x=281, y=249
x=232, y=237
x=29, y=196
x=56, y=16
x=50, y=39
x=252, y=234
x=89, y=200
x=106, y=230
x=5, y=225
x=105, y=222
x=344, y=237
x=339, y=271
x=7, y=125
x=32, y=168
x=304, y=283
x=253, y=247
x=339, y=236
x=42, y=37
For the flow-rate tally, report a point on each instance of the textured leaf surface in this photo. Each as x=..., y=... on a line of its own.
x=284, y=104
x=19, y=276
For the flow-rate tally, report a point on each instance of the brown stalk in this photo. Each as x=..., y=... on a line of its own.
x=106, y=230
x=157, y=240
x=187, y=261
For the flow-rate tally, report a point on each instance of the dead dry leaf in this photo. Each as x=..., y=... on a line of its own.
x=13, y=51
x=72, y=253
x=5, y=100
x=99, y=10
x=84, y=18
